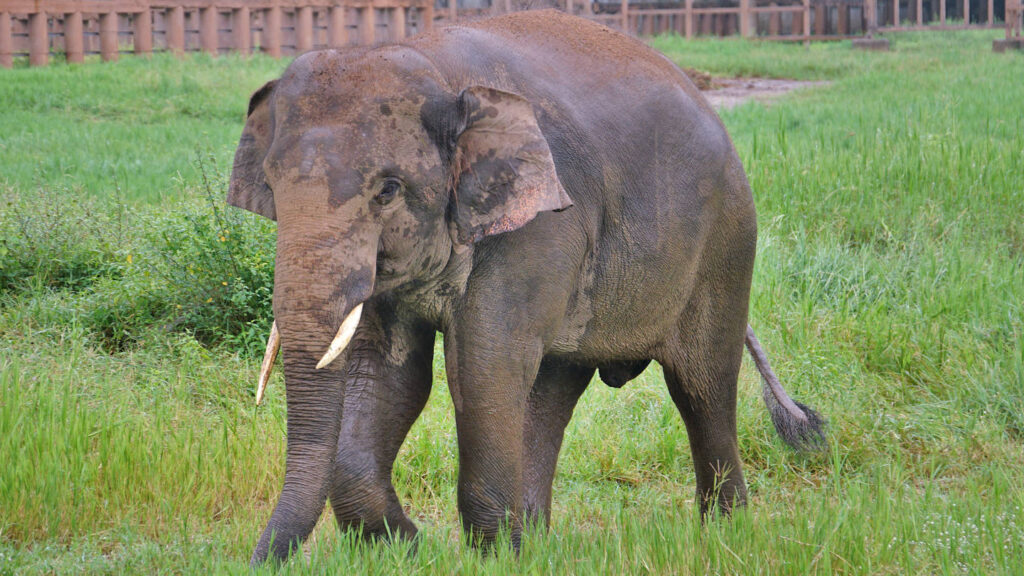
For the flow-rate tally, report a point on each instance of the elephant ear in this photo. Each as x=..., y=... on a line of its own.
x=502, y=171
x=248, y=188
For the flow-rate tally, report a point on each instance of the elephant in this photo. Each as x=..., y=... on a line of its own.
x=553, y=197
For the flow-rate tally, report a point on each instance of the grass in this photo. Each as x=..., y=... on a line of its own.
x=888, y=293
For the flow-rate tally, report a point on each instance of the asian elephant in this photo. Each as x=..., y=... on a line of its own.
x=554, y=198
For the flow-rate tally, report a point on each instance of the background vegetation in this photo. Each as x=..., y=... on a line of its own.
x=888, y=292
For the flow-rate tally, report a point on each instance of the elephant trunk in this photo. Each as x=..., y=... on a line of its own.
x=308, y=309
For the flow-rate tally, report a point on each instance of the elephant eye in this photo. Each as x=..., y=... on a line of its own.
x=388, y=191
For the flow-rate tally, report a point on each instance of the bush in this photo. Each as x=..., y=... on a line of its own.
x=58, y=240
x=201, y=269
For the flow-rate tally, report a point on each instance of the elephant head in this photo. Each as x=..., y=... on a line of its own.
x=376, y=171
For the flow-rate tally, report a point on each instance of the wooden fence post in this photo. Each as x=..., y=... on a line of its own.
x=142, y=32
x=745, y=18
x=991, y=13
x=38, y=40
x=6, y=41
x=807, y=22
x=774, y=21
x=176, y=29
x=272, y=31
x=689, y=18
x=367, y=25
x=108, y=36
x=453, y=10
x=625, y=17
x=304, y=29
x=397, y=24
x=241, y=30
x=896, y=13
x=942, y=12
x=74, y=41
x=427, y=17
x=337, y=30
x=967, y=13
x=920, y=12
x=208, y=29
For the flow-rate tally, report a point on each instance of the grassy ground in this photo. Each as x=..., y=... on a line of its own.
x=888, y=292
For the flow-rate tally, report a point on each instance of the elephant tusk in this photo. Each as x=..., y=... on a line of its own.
x=344, y=336
x=273, y=345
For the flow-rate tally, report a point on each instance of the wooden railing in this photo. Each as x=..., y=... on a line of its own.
x=797, y=19
x=77, y=28
x=39, y=28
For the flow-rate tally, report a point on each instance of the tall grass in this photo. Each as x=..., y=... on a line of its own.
x=887, y=291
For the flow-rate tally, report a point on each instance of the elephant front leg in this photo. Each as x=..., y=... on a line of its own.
x=552, y=400
x=389, y=380
x=490, y=388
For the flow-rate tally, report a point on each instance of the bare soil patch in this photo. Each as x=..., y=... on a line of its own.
x=725, y=93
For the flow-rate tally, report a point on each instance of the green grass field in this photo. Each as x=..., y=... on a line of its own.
x=888, y=293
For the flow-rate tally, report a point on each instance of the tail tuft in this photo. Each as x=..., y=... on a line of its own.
x=799, y=425
x=805, y=434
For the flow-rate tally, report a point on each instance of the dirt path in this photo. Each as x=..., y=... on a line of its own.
x=731, y=92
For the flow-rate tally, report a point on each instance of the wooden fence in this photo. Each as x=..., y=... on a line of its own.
x=277, y=27
x=800, y=20
x=39, y=28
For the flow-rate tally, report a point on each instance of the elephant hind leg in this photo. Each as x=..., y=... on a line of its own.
x=701, y=362
x=383, y=398
x=550, y=406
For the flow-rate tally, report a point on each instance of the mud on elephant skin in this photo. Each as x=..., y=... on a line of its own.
x=553, y=197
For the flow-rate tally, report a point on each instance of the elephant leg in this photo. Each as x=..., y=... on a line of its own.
x=701, y=364
x=389, y=380
x=490, y=382
x=549, y=408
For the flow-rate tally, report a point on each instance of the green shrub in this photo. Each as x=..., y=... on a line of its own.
x=201, y=268
x=58, y=240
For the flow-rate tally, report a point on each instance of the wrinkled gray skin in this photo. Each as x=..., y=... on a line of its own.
x=554, y=198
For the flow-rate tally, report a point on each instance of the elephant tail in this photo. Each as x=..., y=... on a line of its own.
x=799, y=426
